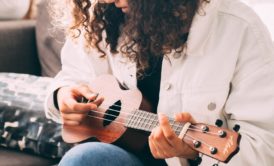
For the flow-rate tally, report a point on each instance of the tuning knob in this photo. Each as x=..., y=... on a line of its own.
x=219, y=123
x=198, y=160
x=236, y=127
x=196, y=143
x=222, y=133
x=213, y=150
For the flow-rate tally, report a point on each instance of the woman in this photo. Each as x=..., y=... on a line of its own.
x=202, y=60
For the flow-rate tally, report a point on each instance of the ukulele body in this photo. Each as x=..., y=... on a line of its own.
x=111, y=128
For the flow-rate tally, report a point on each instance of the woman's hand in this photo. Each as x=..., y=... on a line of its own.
x=164, y=143
x=72, y=111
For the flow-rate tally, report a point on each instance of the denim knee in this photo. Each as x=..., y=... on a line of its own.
x=97, y=154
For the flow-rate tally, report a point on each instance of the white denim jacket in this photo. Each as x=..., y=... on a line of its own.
x=227, y=73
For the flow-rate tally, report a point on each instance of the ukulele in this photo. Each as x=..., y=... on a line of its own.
x=124, y=118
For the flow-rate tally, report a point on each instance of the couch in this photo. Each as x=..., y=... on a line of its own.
x=26, y=46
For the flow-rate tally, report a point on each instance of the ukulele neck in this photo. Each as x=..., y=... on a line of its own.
x=147, y=121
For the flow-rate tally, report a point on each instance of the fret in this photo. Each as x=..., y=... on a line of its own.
x=148, y=118
x=128, y=121
x=143, y=119
x=151, y=118
x=150, y=126
x=172, y=123
x=152, y=121
x=148, y=121
x=177, y=128
x=131, y=120
x=135, y=120
x=155, y=122
x=138, y=120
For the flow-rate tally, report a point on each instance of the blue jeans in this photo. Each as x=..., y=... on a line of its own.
x=99, y=154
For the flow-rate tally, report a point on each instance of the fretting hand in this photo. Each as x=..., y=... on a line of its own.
x=72, y=111
x=164, y=143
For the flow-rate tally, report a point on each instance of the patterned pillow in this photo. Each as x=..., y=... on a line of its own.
x=23, y=124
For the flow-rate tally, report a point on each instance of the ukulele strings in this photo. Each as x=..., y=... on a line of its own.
x=195, y=128
x=120, y=123
x=126, y=112
x=106, y=104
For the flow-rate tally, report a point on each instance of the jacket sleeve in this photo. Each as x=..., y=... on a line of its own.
x=75, y=69
x=251, y=101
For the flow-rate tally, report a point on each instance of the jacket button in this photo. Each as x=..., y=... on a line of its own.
x=167, y=86
x=211, y=106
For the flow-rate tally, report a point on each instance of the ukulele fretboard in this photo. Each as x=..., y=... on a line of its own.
x=147, y=121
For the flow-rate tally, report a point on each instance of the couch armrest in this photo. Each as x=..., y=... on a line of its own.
x=18, y=52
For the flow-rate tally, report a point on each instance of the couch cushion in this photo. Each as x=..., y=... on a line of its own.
x=23, y=124
x=9, y=157
x=18, y=51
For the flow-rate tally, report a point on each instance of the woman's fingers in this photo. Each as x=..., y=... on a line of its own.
x=184, y=117
x=168, y=132
x=98, y=101
x=84, y=91
x=72, y=106
x=71, y=122
x=164, y=143
x=161, y=145
x=73, y=111
x=74, y=117
x=153, y=148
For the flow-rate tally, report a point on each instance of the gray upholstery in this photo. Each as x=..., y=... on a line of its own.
x=10, y=157
x=18, y=51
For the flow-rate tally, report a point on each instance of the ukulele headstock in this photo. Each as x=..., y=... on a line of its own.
x=218, y=143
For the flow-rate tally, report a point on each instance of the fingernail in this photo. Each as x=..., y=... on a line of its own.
x=93, y=107
x=93, y=96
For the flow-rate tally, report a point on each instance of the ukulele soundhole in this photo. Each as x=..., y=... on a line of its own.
x=112, y=113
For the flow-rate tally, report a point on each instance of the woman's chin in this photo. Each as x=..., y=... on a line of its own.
x=124, y=9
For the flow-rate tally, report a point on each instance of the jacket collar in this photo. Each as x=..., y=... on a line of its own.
x=201, y=28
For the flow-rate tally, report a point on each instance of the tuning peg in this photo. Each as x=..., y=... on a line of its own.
x=205, y=128
x=213, y=150
x=198, y=160
x=196, y=143
x=236, y=127
x=222, y=133
x=219, y=123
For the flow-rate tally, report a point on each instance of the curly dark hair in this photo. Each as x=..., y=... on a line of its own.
x=151, y=28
